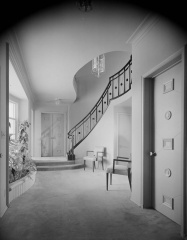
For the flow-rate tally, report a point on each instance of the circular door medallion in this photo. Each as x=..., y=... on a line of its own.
x=168, y=115
x=167, y=172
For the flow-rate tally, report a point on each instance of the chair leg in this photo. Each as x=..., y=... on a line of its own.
x=102, y=164
x=84, y=164
x=93, y=165
x=129, y=177
x=107, y=181
x=110, y=178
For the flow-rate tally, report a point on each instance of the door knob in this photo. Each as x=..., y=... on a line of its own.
x=152, y=154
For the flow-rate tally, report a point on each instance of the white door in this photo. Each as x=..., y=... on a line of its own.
x=52, y=134
x=167, y=143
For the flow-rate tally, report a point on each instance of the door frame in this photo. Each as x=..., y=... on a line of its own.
x=147, y=126
x=65, y=127
x=4, y=126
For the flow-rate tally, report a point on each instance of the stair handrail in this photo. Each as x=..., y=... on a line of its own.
x=105, y=92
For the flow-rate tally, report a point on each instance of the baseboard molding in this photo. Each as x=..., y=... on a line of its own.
x=3, y=211
x=22, y=185
x=138, y=204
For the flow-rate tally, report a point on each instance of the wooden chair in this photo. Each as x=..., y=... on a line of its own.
x=119, y=169
x=93, y=156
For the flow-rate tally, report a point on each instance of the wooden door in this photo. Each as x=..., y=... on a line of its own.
x=167, y=143
x=52, y=128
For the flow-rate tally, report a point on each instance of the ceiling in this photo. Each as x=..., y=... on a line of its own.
x=57, y=42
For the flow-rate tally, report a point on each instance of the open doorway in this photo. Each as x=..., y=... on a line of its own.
x=123, y=128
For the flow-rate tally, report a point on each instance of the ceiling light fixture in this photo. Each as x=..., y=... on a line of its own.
x=57, y=101
x=98, y=65
x=84, y=5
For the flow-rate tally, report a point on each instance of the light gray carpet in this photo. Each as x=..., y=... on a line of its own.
x=73, y=204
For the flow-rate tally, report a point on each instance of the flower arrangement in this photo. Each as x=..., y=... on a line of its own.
x=20, y=163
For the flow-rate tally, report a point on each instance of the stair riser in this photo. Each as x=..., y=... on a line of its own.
x=54, y=163
x=59, y=168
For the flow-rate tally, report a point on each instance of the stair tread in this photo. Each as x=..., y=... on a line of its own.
x=58, y=166
x=53, y=163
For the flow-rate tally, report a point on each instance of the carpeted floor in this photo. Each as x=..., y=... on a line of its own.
x=74, y=205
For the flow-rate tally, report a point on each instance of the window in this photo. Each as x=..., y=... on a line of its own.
x=12, y=120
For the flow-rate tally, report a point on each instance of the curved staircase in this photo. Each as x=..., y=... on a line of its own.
x=119, y=84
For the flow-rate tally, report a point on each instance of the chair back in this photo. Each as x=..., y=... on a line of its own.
x=128, y=164
x=99, y=151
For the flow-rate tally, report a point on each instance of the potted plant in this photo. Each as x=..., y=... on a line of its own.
x=20, y=163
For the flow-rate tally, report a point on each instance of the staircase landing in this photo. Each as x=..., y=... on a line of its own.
x=55, y=163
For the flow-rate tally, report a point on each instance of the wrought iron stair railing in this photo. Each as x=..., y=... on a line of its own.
x=119, y=84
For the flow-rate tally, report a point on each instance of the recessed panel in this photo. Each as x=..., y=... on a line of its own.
x=168, y=202
x=168, y=144
x=168, y=86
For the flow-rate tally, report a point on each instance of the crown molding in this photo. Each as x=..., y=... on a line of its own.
x=142, y=30
x=17, y=60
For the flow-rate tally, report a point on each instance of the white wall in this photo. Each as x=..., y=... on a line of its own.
x=160, y=42
x=45, y=108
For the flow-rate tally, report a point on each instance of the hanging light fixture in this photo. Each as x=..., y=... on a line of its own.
x=84, y=5
x=57, y=101
x=98, y=65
